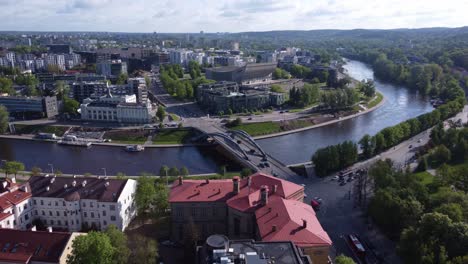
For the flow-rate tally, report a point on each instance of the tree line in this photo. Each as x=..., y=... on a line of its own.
x=325, y=159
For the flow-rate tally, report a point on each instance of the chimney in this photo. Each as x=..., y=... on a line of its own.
x=13, y=180
x=275, y=188
x=181, y=181
x=273, y=228
x=304, y=223
x=4, y=184
x=264, y=194
x=235, y=185
x=49, y=229
x=249, y=181
x=33, y=228
x=207, y=181
x=106, y=184
x=74, y=183
x=84, y=183
x=65, y=186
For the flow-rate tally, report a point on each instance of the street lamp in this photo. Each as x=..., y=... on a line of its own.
x=51, y=168
x=105, y=172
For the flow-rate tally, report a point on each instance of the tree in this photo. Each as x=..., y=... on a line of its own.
x=122, y=79
x=173, y=171
x=341, y=259
x=164, y=171
x=161, y=199
x=276, y=88
x=6, y=86
x=119, y=242
x=13, y=167
x=145, y=194
x=146, y=250
x=184, y=171
x=70, y=106
x=245, y=172
x=62, y=90
x=93, y=248
x=161, y=113
x=36, y=171
x=367, y=144
x=453, y=210
x=440, y=155
x=3, y=119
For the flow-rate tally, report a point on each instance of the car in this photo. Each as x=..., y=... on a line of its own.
x=335, y=178
x=239, y=142
x=249, y=118
x=261, y=165
x=267, y=164
x=275, y=174
x=419, y=141
x=410, y=146
x=342, y=183
x=350, y=179
x=281, y=112
x=318, y=199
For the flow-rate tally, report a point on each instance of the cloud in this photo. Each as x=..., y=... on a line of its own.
x=227, y=15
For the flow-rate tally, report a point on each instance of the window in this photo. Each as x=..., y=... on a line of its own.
x=112, y=207
x=112, y=217
x=105, y=222
x=51, y=222
x=103, y=213
x=43, y=213
x=25, y=206
x=56, y=203
x=84, y=204
x=91, y=204
x=92, y=214
x=26, y=217
x=59, y=222
x=58, y=213
x=85, y=214
x=35, y=202
x=63, y=203
x=50, y=213
x=42, y=202
x=35, y=212
x=66, y=222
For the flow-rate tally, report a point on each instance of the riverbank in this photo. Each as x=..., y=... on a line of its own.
x=324, y=123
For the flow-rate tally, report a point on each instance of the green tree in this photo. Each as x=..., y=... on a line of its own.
x=122, y=79
x=161, y=199
x=453, y=210
x=245, y=172
x=36, y=171
x=93, y=248
x=164, y=171
x=119, y=242
x=146, y=250
x=13, y=167
x=341, y=259
x=6, y=86
x=145, y=194
x=440, y=155
x=3, y=119
x=62, y=90
x=173, y=171
x=367, y=144
x=161, y=113
x=184, y=171
x=70, y=106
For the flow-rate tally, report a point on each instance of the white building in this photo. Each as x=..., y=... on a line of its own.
x=56, y=59
x=69, y=203
x=122, y=109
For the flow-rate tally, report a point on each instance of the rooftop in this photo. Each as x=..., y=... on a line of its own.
x=73, y=189
x=296, y=221
x=28, y=246
x=8, y=199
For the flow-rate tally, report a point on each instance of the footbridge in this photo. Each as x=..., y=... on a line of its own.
x=246, y=151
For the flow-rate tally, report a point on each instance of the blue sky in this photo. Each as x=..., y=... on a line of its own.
x=228, y=16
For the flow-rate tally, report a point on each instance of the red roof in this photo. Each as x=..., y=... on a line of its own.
x=222, y=191
x=201, y=191
x=25, y=246
x=283, y=220
x=7, y=200
x=248, y=199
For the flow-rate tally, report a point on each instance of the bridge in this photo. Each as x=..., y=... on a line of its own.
x=247, y=152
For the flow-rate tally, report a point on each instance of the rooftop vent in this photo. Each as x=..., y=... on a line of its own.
x=52, y=180
x=47, y=188
x=65, y=186
x=74, y=183
x=106, y=184
x=84, y=183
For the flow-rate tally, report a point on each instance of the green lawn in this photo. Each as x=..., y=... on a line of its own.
x=376, y=101
x=174, y=117
x=257, y=129
x=173, y=136
x=425, y=177
x=35, y=129
x=127, y=136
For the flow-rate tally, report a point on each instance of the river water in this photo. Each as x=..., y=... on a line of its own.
x=401, y=104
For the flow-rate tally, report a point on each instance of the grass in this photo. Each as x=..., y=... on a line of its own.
x=425, y=177
x=127, y=136
x=257, y=129
x=174, y=117
x=173, y=136
x=36, y=129
x=376, y=101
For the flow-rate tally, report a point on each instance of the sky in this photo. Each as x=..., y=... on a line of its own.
x=180, y=16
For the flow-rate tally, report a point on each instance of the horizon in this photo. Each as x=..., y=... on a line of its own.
x=144, y=16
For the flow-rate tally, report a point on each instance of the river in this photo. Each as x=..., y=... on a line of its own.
x=400, y=104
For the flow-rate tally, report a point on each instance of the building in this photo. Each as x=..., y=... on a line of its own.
x=30, y=107
x=67, y=203
x=248, y=74
x=122, y=109
x=259, y=207
x=138, y=87
x=83, y=90
x=218, y=249
x=227, y=96
x=111, y=67
x=20, y=246
x=59, y=48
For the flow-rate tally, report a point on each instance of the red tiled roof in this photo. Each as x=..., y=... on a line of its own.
x=249, y=198
x=222, y=190
x=201, y=191
x=282, y=220
x=25, y=246
x=7, y=200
